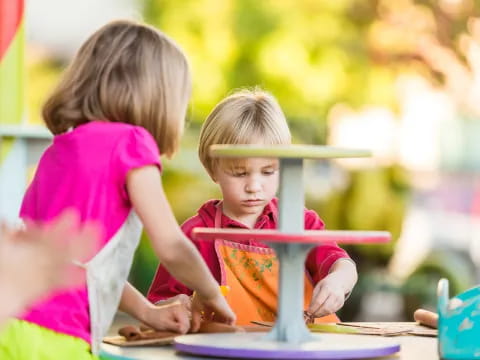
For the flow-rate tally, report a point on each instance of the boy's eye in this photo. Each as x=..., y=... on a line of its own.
x=268, y=172
x=239, y=173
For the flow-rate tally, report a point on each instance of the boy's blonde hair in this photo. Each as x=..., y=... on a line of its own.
x=245, y=117
x=125, y=72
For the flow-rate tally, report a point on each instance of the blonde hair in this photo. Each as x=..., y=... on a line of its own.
x=125, y=72
x=245, y=117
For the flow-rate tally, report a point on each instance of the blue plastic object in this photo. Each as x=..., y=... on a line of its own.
x=458, y=323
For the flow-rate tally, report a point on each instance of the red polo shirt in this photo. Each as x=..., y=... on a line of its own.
x=318, y=263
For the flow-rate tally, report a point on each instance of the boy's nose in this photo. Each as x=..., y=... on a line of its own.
x=253, y=186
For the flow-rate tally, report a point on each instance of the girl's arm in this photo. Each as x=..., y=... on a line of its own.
x=171, y=317
x=174, y=250
x=164, y=286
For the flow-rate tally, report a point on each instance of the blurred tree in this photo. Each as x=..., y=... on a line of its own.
x=311, y=55
x=42, y=74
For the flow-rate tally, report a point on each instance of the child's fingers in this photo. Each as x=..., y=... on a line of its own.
x=224, y=312
x=318, y=299
x=183, y=320
x=30, y=231
x=4, y=230
x=83, y=245
x=186, y=301
x=183, y=299
x=31, y=225
x=7, y=234
x=57, y=231
x=76, y=245
x=332, y=304
x=322, y=310
x=196, y=320
x=180, y=321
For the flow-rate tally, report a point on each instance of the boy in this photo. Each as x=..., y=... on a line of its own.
x=248, y=187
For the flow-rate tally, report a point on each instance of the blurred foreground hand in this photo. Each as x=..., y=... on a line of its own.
x=39, y=259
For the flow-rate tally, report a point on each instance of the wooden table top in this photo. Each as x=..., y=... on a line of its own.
x=412, y=347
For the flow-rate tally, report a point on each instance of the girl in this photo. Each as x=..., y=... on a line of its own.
x=248, y=188
x=121, y=101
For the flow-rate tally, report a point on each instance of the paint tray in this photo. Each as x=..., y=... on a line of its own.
x=458, y=323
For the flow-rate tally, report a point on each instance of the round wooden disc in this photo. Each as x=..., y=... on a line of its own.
x=254, y=346
x=306, y=237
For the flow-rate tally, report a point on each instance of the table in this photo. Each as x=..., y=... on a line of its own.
x=289, y=337
x=412, y=348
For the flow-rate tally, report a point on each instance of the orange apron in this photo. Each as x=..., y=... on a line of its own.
x=252, y=274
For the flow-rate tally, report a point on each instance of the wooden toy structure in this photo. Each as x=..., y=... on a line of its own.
x=289, y=338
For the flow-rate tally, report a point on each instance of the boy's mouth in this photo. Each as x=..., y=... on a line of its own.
x=253, y=202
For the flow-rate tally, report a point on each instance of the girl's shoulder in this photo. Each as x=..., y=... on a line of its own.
x=124, y=137
x=109, y=128
x=113, y=146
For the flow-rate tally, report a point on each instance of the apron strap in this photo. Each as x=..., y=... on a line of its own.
x=218, y=215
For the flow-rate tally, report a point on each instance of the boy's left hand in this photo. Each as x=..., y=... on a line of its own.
x=328, y=297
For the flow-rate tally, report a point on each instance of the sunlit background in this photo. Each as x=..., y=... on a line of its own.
x=399, y=77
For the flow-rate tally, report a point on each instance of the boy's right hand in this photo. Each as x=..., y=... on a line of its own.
x=214, y=308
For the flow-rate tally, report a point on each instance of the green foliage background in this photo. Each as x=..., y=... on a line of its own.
x=312, y=55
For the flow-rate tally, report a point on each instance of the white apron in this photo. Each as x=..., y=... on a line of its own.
x=107, y=273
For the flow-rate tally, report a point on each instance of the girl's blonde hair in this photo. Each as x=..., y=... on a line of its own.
x=245, y=117
x=125, y=72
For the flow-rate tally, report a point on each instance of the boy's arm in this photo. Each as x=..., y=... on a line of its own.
x=344, y=272
x=165, y=286
x=321, y=260
x=333, y=272
x=330, y=293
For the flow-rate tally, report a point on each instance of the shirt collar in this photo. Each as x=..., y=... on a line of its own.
x=267, y=216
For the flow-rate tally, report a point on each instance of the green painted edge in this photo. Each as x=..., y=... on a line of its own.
x=12, y=80
x=287, y=151
x=332, y=328
x=108, y=356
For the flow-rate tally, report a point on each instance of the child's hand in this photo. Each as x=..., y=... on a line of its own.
x=328, y=297
x=170, y=317
x=183, y=299
x=38, y=258
x=215, y=308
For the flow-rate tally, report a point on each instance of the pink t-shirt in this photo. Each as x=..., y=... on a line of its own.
x=85, y=169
